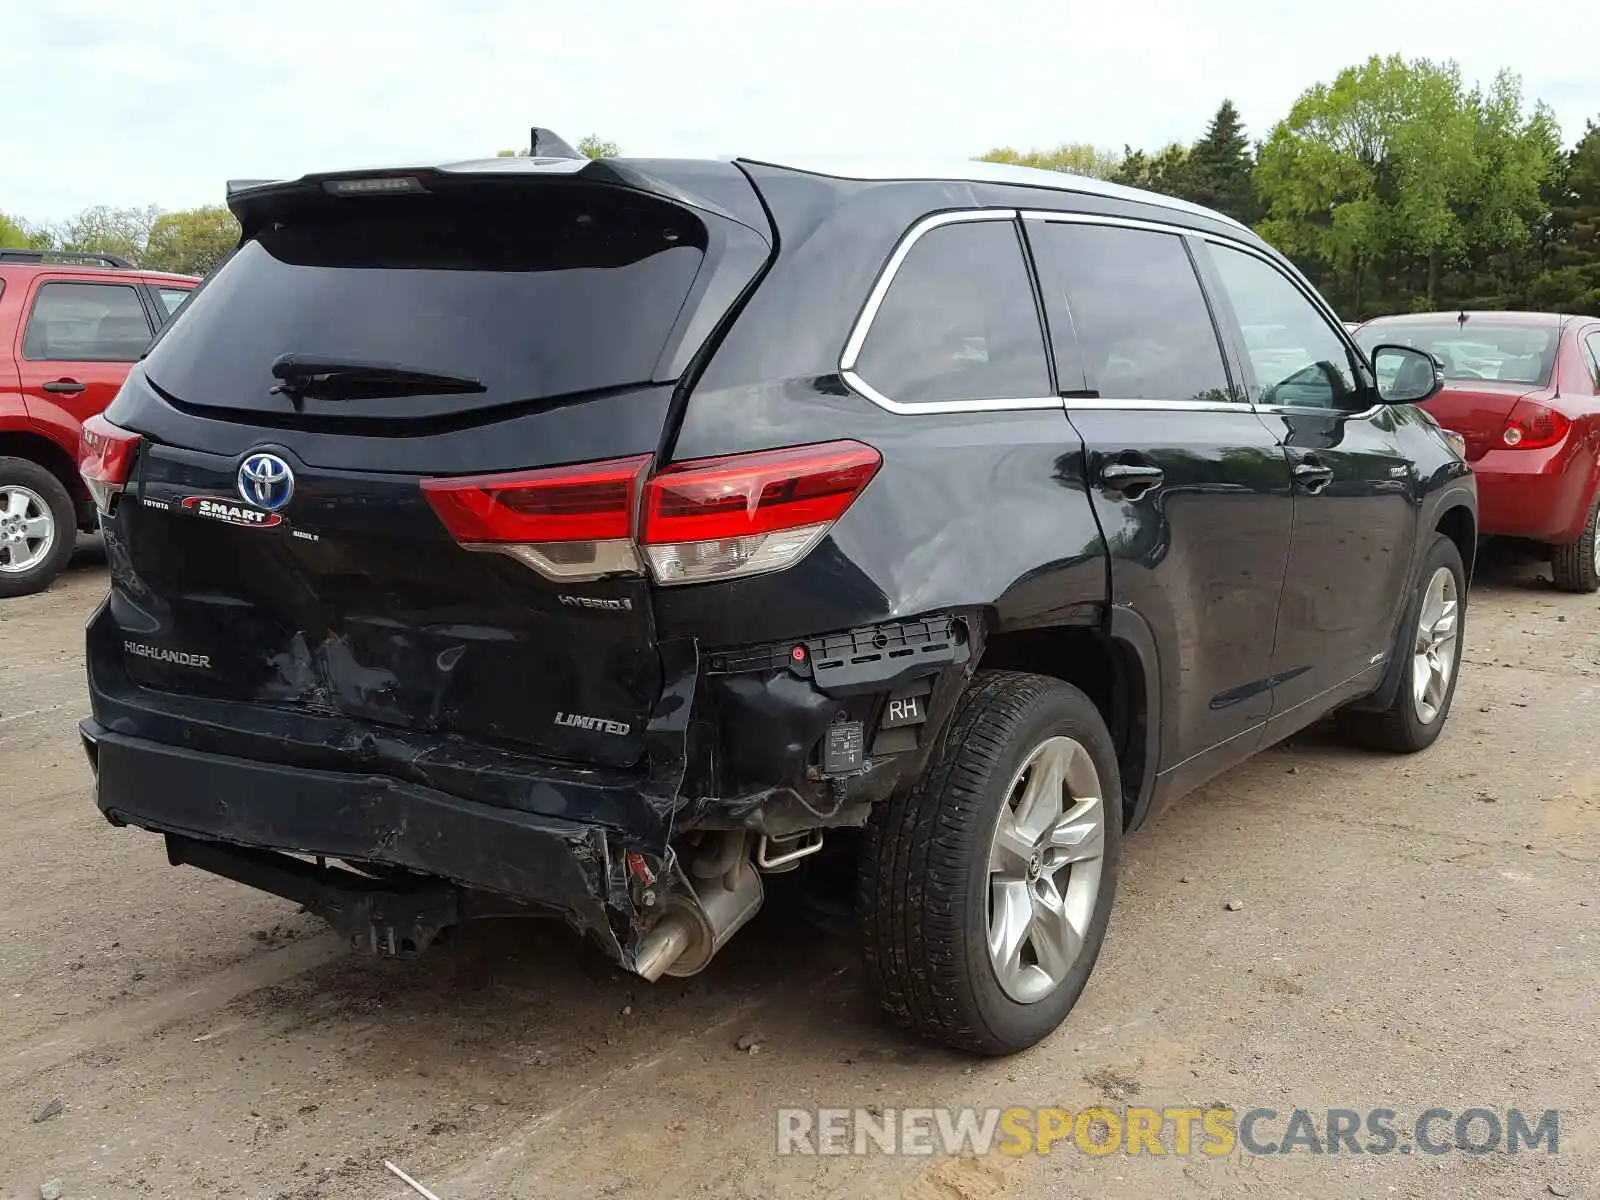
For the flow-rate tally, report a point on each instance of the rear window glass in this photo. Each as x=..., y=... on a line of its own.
x=534, y=296
x=1474, y=349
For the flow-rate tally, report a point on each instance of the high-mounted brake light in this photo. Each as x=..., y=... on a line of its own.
x=746, y=514
x=572, y=523
x=1533, y=426
x=105, y=459
x=374, y=185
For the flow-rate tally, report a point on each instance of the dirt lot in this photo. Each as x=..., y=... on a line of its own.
x=1411, y=933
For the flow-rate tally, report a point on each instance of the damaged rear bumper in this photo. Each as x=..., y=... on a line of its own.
x=247, y=820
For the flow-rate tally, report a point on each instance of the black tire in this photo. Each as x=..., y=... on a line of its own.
x=1400, y=729
x=924, y=876
x=21, y=472
x=1573, y=567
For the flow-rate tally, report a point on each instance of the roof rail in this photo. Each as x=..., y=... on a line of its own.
x=80, y=257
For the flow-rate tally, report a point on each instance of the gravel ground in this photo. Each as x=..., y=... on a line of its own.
x=1409, y=933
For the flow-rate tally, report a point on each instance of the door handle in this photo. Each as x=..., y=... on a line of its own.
x=1131, y=477
x=64, y=387
x=1312, y=475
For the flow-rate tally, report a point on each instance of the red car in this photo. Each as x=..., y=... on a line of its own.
x=71, y=325
x=1523, y=389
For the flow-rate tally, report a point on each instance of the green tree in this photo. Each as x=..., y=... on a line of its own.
x=1075, y=158
x=190, y=242
x=105, y=229
x=12, y=233
x=593, y=145
x=1220, y=167
x=1503, y=202
x=1571, y=282
x=1318, y=174
x=1398, y=170
x=1169, y=172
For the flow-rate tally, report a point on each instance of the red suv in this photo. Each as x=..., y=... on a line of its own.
x=71, y=325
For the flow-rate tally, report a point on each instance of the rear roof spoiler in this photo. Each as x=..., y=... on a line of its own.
x=718, y=188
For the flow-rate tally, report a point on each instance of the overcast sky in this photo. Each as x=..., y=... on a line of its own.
x=118, y=102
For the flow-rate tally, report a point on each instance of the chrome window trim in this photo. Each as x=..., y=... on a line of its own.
x=1310, y=411
x=880, y=288
x=1081, y=403
x=936, y=407
x=1077, y=218
x=875, y=298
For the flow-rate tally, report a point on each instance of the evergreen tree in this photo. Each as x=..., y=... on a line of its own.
x=1220, y=166
x=1572, y=284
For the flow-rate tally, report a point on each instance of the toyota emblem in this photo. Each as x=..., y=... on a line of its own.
x=266, y=481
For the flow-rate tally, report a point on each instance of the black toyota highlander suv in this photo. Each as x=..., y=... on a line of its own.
x=600, y=537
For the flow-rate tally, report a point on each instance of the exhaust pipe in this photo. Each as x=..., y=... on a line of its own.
x=663, y=946
x=724, y=892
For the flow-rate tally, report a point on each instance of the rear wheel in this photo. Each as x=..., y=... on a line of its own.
x=1576, y=568
x=38, y=527
x=986, y=889
x=1431, y=641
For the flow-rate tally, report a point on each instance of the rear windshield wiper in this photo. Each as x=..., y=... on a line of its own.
x=355, y=379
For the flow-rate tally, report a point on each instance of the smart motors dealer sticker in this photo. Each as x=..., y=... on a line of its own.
x=230, y=512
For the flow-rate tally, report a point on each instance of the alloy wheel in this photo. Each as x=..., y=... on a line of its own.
x=1434, y=649
x=27, y=529
x=1044, y=869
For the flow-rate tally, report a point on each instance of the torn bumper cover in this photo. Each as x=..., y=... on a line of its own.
x=245, y=819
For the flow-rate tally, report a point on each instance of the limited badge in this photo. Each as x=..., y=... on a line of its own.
x=230, y=511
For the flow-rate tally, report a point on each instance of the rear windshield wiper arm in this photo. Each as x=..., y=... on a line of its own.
x=350, y=378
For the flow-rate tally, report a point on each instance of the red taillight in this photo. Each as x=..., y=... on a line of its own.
x=105, y=459
x=1532, y=426
x=588, y=502
x=708, y=519
x=749, y=513
x=566, y=522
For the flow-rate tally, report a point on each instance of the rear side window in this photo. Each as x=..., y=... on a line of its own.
x=1592, y=342
x=86, y=322
x=958, y=322
x=537, y=293
x=1137, y=326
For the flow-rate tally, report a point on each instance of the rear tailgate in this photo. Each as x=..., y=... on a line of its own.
x=571, y=305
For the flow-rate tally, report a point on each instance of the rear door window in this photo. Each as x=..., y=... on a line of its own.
x=86, y=322
x=958, y=322
x=1134, y=322
x=534, y=294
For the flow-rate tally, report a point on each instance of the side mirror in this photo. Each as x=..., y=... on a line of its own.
x=1406, y=375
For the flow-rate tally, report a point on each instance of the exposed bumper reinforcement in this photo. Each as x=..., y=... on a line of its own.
x=243, y=819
